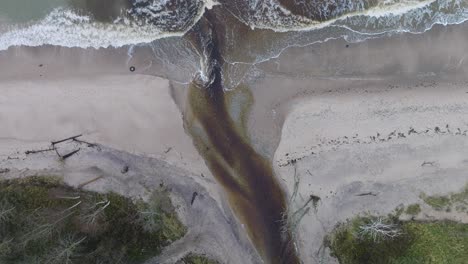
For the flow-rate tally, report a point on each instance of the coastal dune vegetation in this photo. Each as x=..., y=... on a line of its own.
x=42, y=220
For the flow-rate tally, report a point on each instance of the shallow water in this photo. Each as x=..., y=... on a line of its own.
x=247, y=177
x=21, y=11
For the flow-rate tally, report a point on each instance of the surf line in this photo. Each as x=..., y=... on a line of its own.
x=248, y=179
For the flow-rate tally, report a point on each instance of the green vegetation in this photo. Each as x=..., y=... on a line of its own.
x=398, y=210
x=44, y=221
x=458, y=201
x=196, y=259
x=441, y=242
x=413, y=209
x=439, y=203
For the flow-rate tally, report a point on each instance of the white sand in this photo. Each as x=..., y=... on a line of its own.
x=132, y=113
x=341, y=168
x=379, y=89
x=124, y=114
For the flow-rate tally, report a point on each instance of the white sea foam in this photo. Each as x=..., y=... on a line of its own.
x=64, y=27
x=268, y=14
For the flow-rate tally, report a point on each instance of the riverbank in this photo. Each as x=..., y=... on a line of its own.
x=139, y=136
x=369, y=128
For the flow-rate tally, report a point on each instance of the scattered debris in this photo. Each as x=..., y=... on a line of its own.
x=194, y=195
x=377, y=138
x=4, y=171
x=124, y=169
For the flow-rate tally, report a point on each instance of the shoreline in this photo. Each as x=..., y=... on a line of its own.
x=378, y=89
x=295, y=105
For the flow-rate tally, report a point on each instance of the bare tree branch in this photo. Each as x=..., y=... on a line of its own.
x=378, y=229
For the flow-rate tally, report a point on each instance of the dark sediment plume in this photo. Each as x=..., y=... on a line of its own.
x=247, y=177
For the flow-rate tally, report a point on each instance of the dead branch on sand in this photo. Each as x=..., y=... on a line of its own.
x=38, y=151
x=367, y=194
x=66, y=139
x=89, y=182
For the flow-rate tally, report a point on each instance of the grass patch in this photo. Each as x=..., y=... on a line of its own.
x=461, y=199
x=196, y=259
x=441, y=242
x=44, y=221
x=413, y=209
x=458, y=201
x=439, y=203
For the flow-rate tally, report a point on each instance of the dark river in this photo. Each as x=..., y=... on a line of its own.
x=246, y=176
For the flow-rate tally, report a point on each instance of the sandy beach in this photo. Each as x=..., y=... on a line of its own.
x=386, y=116
x=136, y=124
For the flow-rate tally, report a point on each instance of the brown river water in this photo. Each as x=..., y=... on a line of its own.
x=246, y=176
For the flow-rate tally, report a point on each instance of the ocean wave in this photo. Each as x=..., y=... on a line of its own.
x=144, y=22
x=149, y=20
x=379, y=21
x=273, y=15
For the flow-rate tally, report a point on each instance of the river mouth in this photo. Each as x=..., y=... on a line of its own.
x=246, y=176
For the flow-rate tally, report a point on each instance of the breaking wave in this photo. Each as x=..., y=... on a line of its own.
x=149, y=20
x=144, y=22
x=369, y=15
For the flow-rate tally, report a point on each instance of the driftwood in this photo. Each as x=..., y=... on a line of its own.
x=427, y=163
x=194, y=195
x=91, y=145
x=90, y=181
x=66, y=139
x=167, y=150
x=38, y=151
x=366, y=194
x=66, y=156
